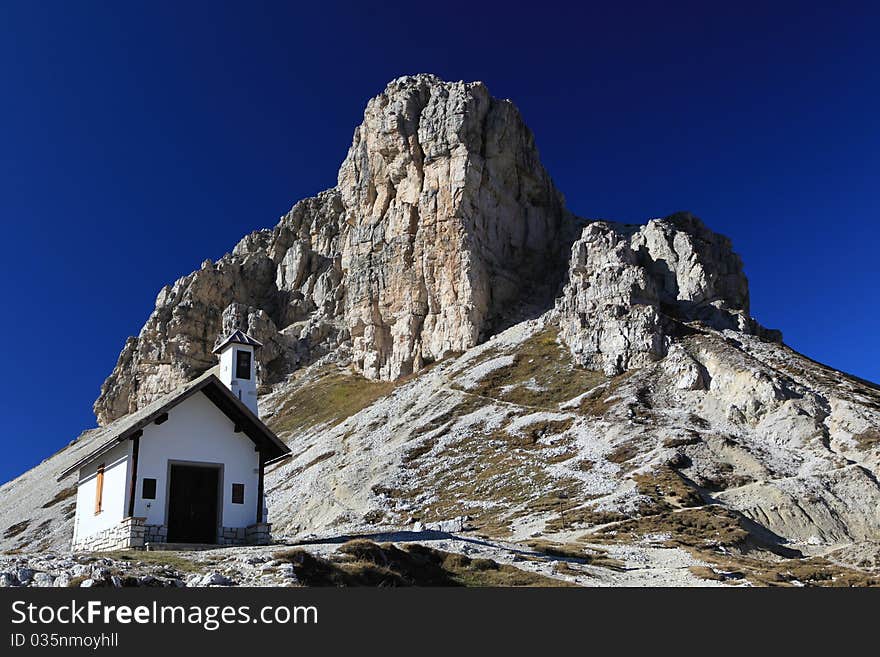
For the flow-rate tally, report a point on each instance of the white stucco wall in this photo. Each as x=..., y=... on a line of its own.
x=197, y=431
x=114, y=498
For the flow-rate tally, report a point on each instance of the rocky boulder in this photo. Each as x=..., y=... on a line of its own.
x=447, y=205
x=632, y=289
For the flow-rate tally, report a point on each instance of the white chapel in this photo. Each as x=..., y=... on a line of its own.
x=186, y=469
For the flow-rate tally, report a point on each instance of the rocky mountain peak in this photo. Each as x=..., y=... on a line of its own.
x=442, y=226
x=446, y=204
x=443, y=229
x=599, y=386
x=633, y=288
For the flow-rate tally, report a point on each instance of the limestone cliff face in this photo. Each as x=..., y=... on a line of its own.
x=442, y=223
x=446, y=205
x=632, y=289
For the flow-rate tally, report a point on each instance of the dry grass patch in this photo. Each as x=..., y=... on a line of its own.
x=705, y=572
x=563, y=457
x=16, y=529
x=559, y=501
x=682, y=441
x=364, y=563
x=464, y=407
x=698, y=421
x=589, y=556
x=602, y=399
x=622, y=453
x=813, y=572
x=420, y=450
x=536, y=431
x=60, y=496
x=173, y=562
x=667, y=490
x=771, y=571
x=546, y=366
x=374, y=517
x=529, y=436
x=328, y=400
x=492, y=477
x=582, y=518
x=868, y=439
x=724, y=477
x=597, y=403
x=381, y=490
x=565, y=568
x=706, y=527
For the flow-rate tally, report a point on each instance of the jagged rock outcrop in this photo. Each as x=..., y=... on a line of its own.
x=447, y=205
x=631, y=288
x=443, y=223
x=442, y=227
x=442, y=234
x=283, y=284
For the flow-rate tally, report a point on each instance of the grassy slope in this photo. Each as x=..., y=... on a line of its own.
x=327, y=400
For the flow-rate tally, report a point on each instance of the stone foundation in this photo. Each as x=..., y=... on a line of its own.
x=127, y=535
x=156, y=534
x=231, y=536
x=258, y=534
x=133, y=534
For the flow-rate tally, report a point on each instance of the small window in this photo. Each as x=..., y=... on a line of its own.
x=238, y=493
x=242, y=364
x=149, y=489
x=99, y=489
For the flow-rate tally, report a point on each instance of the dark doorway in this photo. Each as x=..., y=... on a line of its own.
x=192, y=504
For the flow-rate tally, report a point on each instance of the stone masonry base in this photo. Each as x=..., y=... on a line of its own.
x=134, y=534
x=156, y=534
x=128, y=534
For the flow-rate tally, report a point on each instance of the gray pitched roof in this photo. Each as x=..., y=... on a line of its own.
x=237, y=337
x=126, y=427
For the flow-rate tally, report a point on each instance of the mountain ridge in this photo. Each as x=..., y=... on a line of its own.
x=440, y=200
x=447, y=345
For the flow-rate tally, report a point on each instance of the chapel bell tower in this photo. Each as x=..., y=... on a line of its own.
x=238, y=367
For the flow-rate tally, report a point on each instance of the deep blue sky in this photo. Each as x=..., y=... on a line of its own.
x=137, y=141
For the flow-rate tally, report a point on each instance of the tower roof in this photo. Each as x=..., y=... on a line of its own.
x=237, y=337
